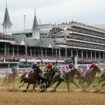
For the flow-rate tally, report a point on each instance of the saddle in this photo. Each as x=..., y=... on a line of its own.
x=28, y=74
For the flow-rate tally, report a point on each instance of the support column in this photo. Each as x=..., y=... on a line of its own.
x=5, y=50
x=52, y=52
x=71, y=53
x=82, y=54
x=8, y=50
x=34, y=52
x=38, y=51
x=66, y=53
x=31, y=52
x=46, y=52
x=103, y=55
x=99, y=55
x=13, y=50
x=95, y=54
x=17, y=51
x=77, y=53
x=86, y=54
x=76, y=61
x=26, y=51
x=41, y=52
x=59, y=53
x=91, y=55
x=56, y=53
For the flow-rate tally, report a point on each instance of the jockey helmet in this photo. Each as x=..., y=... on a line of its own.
x=48, y=66
x=92, y=66
x=13, y=69
x=34, y=66
x=70, y=66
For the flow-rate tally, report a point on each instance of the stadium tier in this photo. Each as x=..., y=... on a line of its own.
x=51, y=43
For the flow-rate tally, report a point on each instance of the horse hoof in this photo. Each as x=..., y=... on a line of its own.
x=33, y=91
x=41, y=90
x=53, y=91
x=24, y=90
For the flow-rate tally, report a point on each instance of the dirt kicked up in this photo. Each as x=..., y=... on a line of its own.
x=48, y=98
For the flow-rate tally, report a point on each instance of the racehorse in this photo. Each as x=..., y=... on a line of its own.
x=68, y=78
x=31, y=79
x=89, y=75
x=10, y=78
x=101, y=80
x=47, y=78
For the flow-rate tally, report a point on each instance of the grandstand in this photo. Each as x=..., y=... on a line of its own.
x=51, y=43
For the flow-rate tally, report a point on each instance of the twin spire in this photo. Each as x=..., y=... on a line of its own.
x=35, y=28
x=7, y=22
x=7, y=25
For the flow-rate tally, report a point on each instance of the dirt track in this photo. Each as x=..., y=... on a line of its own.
x=58, y=98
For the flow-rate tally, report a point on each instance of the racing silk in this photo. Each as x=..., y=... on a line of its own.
x=90, y=67
x=34, y=66
x=67, y=68
x=48, y=67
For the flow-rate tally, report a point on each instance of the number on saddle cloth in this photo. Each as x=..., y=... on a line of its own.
x=64, y=69
x=27, y=75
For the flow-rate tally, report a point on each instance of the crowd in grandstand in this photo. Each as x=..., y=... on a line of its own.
x=18, y=57
x=6, y=36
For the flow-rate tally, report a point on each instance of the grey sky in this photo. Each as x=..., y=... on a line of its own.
x=53, y=11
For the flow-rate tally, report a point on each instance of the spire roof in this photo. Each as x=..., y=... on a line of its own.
x=6, y=21
x=35, y=24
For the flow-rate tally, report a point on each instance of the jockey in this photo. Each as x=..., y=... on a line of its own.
x=71, y=66
x=13, y=70
x=48, y=67
x=65, y=69
x=34, y=67
x=92, y=66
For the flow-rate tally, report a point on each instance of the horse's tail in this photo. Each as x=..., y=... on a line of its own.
x=22, y=77
x=21, y=80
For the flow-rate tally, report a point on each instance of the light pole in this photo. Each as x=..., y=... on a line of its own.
x=25, y=43
x=26, y=52
x=55, y=51
x=41, y=49
x=40, y=44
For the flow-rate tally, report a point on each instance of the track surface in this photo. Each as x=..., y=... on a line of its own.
x=48, y=98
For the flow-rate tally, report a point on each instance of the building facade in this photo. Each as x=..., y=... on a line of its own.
x=57, y=43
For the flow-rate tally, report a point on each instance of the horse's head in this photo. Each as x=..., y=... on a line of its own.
x=38, y=70
x=53, y=71
x=94, y=67
x=56, y=69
